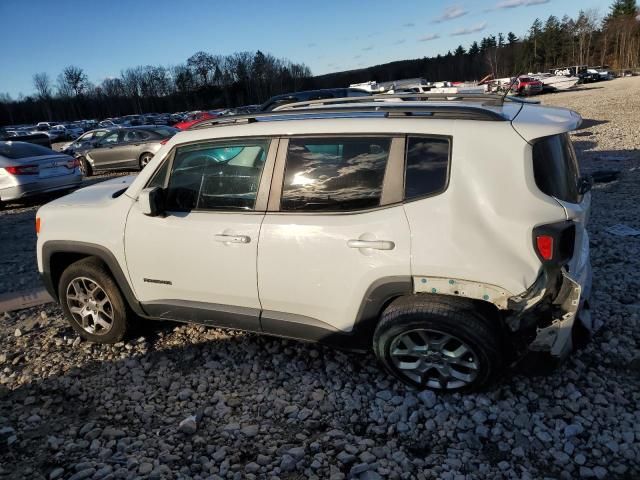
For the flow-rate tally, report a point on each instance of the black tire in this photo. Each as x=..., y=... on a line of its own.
x=433, y=316
x=144, y=160
x=85, y=167
x=94, y=270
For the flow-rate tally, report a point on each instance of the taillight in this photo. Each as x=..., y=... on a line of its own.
x=163, y=142
x=37, y=225
x=544, y=244
x=554, y=242
x=23, y=170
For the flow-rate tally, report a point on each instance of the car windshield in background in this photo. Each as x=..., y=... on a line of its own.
x=17, y=150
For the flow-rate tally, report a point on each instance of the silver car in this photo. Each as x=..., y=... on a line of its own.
x=123, y=148
x=27, y=169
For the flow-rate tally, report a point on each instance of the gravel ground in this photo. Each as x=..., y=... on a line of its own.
x=189, y=402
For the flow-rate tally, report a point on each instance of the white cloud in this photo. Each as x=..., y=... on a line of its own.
x=450, y=13
x=519, y=3
x=467, y=30
x=428, y=37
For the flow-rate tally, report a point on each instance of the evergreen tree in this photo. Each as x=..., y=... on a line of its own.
x=511, y=38
x=623, y=8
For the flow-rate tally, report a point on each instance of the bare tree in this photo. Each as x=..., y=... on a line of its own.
x=76, y=79
x=203, y=64
x=42, y=84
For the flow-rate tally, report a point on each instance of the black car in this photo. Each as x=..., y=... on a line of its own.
x=309, y=95
x=587, y=77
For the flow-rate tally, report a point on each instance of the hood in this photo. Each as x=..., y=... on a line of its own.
x=95, y=194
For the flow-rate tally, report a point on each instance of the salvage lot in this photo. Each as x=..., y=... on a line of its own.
x=267, y=407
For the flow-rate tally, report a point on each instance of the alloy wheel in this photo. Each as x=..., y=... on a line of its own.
x=434, y=359
x=144, y=161
x=90, y=306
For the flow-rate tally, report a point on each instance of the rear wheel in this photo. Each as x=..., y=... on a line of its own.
x=92, y=302
x=85, y=167
x=145, y=158
x=437, y=343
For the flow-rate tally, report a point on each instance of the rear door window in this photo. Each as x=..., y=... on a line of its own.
x=334, y=174
x=427, y=166
x=555, y=167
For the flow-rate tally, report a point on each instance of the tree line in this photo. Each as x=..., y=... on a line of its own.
x=207, y=81
x=587, y=39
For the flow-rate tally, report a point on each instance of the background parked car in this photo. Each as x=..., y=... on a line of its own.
x=194, y=118
x=27, y=169
x=88, y=139
x=308, y=95
x=122, y=148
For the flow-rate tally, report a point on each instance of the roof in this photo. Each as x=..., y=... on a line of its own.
x=528, y=118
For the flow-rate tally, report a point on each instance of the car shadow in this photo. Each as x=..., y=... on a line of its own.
x=591, y=122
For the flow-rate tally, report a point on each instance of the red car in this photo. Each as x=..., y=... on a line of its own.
x=195, y=118
x=528, y=86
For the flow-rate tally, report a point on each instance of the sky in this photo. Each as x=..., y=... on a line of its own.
x=105, y=37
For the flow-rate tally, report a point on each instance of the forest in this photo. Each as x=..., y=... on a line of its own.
x=206, y=80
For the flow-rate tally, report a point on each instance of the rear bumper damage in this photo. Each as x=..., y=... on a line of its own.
x=544, y=317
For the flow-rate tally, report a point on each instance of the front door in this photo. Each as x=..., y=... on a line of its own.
x=198, y=262
x=333, y=233
x=107, y=151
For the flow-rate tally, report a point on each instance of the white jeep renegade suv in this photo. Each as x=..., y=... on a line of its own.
x=446, y=234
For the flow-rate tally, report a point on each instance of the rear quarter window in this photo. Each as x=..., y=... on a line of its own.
x=555, y=167
x=427, y=166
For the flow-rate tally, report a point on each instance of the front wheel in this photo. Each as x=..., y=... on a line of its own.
x=92, y=302
x=437, y=343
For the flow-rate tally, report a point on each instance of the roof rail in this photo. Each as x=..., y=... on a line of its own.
x=488, y=99
x=384, y=110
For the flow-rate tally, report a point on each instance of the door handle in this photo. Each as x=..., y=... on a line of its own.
x=374, y=244
x=224, y=238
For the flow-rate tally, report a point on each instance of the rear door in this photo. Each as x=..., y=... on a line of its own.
x=334, y=228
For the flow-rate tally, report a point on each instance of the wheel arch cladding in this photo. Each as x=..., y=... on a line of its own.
x=58, y=255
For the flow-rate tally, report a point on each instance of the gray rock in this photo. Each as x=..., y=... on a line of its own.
x=251, y=467
x=288, y=463
x=367, y=457
x=82, y=474
x=370, y=475
x=428, y=398
x=188, y=426
x=56, y=473
x=573, y=430
x=250, y=430
x=145, y=468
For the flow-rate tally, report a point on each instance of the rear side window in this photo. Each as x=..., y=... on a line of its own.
x=427, y=166
x=334, y=174
x=555, y=167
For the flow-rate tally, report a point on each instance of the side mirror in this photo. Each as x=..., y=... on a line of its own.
x=585, y=183
x=151, y=201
